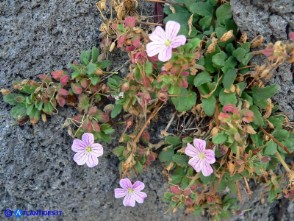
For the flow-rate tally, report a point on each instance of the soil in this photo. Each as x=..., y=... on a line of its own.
x=36, y=167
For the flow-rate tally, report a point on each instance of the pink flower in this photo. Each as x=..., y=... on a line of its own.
x=162, y=42
x=87, y=151
x=131, y=192
x=201, y=158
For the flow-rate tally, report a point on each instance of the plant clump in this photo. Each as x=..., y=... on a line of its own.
x=201, y=64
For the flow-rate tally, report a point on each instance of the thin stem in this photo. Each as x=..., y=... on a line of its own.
x=278, y=155
x=276, y=141
x=147, y=122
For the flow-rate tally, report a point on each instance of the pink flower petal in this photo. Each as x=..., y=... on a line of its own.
x=78, y=145
x=139, y=196
x=199, y=144
x=92, y=161
x=165, y=54
x=209, y=156
x=206, y=169
x=119, y=193
x=80, y=158
x=88, y=138
x=195, y=163
x=178, y=41
x=129, y=200
x=158, y=35
x=138, y=186
x=97, y=149
x=191, y=151
x=172, y=28
x=153, y=48
x=125, y=183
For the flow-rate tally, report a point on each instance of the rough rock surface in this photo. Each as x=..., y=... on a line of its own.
x=36, y=167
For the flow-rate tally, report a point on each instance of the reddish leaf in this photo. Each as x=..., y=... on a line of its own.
x=136, y=42
x=60, y=101
x=76, y=89
x=63, y=92
x=96, y=126
x=92, y=111
x=78, y=118
x=268, y=52
x=230, y=108
x=84, y=83
x=145, y=136
x=57, y=74
x=64, y=79
x=121, y=40
x=130, y=22
x=184, y=83
x=189, y=202
x=175, y=190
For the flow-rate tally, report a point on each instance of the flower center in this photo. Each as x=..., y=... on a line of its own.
x=89, y=149
x=130, y=190
x=202, y=156
x=167, y=42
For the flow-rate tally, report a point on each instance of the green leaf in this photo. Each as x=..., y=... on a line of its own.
x=75, y=74
x=201, y=8
x=148, y=68
x=13, y=99
x=202, y=78
x=118, y=151
x=270, y=148
x=173, y=140
x=247, y=58
x=208, y=105
x=219, y=59
x=258, y=119
x=166, y=155
x=281, y=134
x=220, y=138
x=106, y=128
x=91, y=68
x=206, y=179
x=85, y=57
x=239, y=53
x=48, y=108
x=28, y=89
x=94, y=79
x=185, y=101
x=95, y=54
x=227, y=98
x=223, y=13
x=116, y=110
x=277, y=121
x=138, y=167
x=205, y=22
x=263, y=93
x=19, y=111
x=229, y=78
x=114, y=82
x=181, y=160
x=103, y=64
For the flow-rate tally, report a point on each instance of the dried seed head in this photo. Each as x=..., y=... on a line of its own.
x=256, y=42
x=227, y=36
